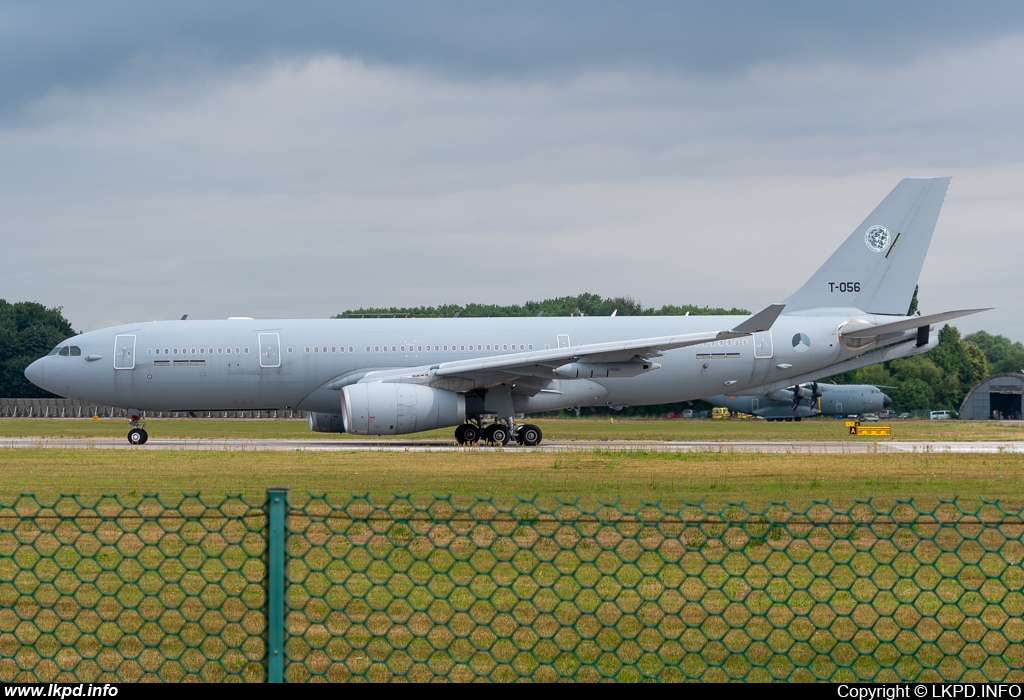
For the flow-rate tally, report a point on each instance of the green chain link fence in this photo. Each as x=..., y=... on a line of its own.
x=360, y=587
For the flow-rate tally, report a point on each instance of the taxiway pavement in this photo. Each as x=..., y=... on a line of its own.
x=801, y=447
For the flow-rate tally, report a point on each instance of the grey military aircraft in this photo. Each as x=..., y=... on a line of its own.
x=806, y=400
x=397, y=376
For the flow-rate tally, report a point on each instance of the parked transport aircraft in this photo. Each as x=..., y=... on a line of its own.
x=806, y=400
x=396, y=376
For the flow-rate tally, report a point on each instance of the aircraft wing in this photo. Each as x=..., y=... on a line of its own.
x=482, y=371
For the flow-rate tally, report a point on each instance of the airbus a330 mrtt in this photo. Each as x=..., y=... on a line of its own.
x=394, y=376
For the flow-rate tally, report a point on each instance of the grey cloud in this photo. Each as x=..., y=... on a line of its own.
x=300, y=185
x=73, y=46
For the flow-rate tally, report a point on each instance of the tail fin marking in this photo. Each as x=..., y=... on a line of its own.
x=867, y=271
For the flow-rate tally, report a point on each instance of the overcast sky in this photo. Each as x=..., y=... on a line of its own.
x=272, y=160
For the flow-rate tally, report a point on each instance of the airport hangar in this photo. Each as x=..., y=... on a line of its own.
x=996, y=398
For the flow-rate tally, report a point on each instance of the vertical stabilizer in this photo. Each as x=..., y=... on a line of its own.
x=877, y=267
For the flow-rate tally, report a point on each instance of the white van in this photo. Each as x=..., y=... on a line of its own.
x=940, y=415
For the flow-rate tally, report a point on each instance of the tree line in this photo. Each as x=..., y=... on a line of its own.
x=27, y=332
x=937, y=379
x=582, y=304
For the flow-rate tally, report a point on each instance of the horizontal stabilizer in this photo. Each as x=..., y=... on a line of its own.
x=907, y=324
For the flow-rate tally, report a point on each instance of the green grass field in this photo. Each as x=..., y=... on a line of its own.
x=607, y=474
x=535, y=597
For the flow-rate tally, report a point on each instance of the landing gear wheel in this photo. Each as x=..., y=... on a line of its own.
x=137, y=436
x=497, y=434
x=466, y=434
x=789, y=420
x=529, y=435
x=798, y=419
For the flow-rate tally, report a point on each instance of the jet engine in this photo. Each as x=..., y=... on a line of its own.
x=396, y=409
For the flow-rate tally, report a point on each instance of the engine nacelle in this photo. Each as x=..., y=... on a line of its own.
x=602, y=370
x=396, y=409
x=326, y=423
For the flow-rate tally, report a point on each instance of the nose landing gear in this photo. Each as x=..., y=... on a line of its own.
x=137, y=435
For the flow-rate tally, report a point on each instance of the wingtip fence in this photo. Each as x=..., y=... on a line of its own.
x=304, y=586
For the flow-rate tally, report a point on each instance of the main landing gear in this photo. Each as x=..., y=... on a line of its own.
x=498, y=433
x=137, y=435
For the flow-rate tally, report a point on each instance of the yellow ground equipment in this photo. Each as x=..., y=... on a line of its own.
x=868, y=430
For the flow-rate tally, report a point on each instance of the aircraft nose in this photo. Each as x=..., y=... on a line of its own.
x=886, y=401
x=34, y=373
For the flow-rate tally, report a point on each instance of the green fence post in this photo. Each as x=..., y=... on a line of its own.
x=277, y=501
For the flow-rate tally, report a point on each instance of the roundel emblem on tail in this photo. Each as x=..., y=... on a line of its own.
x=801, y=343
x=877, y=238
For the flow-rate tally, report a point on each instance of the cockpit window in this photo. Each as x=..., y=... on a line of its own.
x=63, y=351
x=67, y=350
x=54, y=351
x=76, y=351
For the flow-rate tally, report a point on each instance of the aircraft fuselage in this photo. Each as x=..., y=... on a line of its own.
x=303, y=364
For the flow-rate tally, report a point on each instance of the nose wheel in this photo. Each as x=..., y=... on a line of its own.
x=137, y=436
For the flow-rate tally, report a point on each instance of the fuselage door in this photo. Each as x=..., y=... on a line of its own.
x=124, y=352
x=563, y=340
x=270, y=350
x=763, y=344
